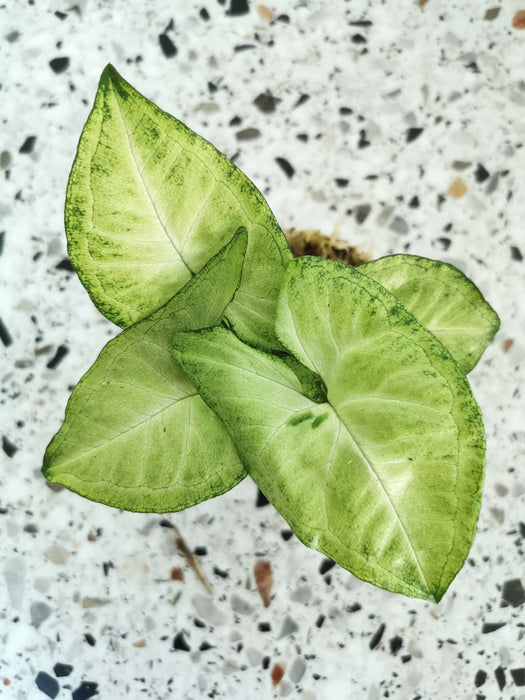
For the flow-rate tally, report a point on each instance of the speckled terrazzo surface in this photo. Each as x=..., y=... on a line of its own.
x=402, y=122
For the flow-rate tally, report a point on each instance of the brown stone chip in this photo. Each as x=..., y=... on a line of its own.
x=262, y=572
x=458, y=188
x=518, y=21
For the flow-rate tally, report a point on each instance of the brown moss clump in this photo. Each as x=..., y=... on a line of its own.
x=330, y=247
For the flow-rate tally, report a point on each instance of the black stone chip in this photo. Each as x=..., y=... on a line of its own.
x=266, y=102
x=355, y=607
x=285, y=166
x=518, y=676
x=345, y=111
x=238, y=8
x=65, y=264
x=243, y=47
x=9, y=448
x=286, y=534
x=200, y=551
x=168, y=47
x=304, y=98
x=361, y=212
x=341, y=181
x=414, y=202
x=480, y=678
x=166, y=523
x=205, y=15
x=2, y=239
x=361, y=23
x=406, y=658
x=325, y=566
x=205, y=646
x=220, y=572
x=264, y=627
x=395, y=644
x=60, y=15
x=515, y=253
x=180, y=642
x=106, y=566
x=57, y=358
x=85, y=690
x=59, y=65
x=28, y=145
x=413, y=133
x=198, y=623
x=47, y=684
x=266, y=662
x=62, y=670
x=513, y=593
x=320, y=621
x=481, y=174
x=5, y=336
x=362, y=143
x=376, y=637
x=489, y=627
x=500, y=677
x=445, y=242
x=90, y=639
x=261, y=499
x=358, y=39
x=302, y=137
x=283, y=18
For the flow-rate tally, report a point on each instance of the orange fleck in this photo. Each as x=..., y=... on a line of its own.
x=176, y=574
x=518, y=21
x=277, y=674
x=141, y=643
x=422, y=3
x=7, y=681
x=436, y=617
x=264, y=580
x=507, y=345
x=458, y=188
x=265, y=12
x=92, y=537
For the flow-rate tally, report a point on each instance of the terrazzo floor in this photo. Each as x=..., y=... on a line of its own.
x=403, y=124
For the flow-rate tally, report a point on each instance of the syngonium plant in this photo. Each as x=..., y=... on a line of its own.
x=341, y=391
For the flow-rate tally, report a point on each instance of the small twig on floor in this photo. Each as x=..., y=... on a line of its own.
x=192, y=560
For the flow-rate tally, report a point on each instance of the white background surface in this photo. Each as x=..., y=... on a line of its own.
x=441, y=67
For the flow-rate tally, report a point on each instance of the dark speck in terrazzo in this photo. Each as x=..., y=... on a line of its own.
x=28, y=145
x=261, y=499
x=413, y=133
x=286, y=534
x=200, y=551
x=376, y=637
x=363, y=142
x=518, y=676
x=9, y=448
x=304, y=98
x=341, y=181
x=5, y=336
x=325, y=566
x=395, y=644
x=285, y=166
x=85, y=691
x=65, y=264
x=489, y=627
x=264, y=627
x=47, y=684
x=204, y=14
x=238, y=7
x=247, y=134
x=358, y=39
x=320, y=621
x=61, y=670
x=220, y=572
x=480, y=678
x=90, y=639
x=266, y=102
x=515, y=253
x=59, y=65
x=167, y=46
x=513, y=593
x=180, y=642
x=57, y=358
x=481, y=174
x=361, y=212
x=500, y=677
x=204, y=646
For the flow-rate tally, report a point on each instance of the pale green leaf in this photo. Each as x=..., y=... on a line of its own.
x=149, y=202
x=137, y=436
x=385, y=477
x=443, y=299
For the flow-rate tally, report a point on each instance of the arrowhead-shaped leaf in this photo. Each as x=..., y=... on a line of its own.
x=149, y=202
x=443, y=299
x=385, y=476
x=137, y=436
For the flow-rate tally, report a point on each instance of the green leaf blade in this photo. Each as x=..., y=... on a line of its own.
x=136, y=435
x=149, y=203
x=443, y=299
x=385, y=477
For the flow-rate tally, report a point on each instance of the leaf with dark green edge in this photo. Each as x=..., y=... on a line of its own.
x=149, y=202
x=443, y=299
x=312, y=386
x=385, y=478
x=136, y=435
